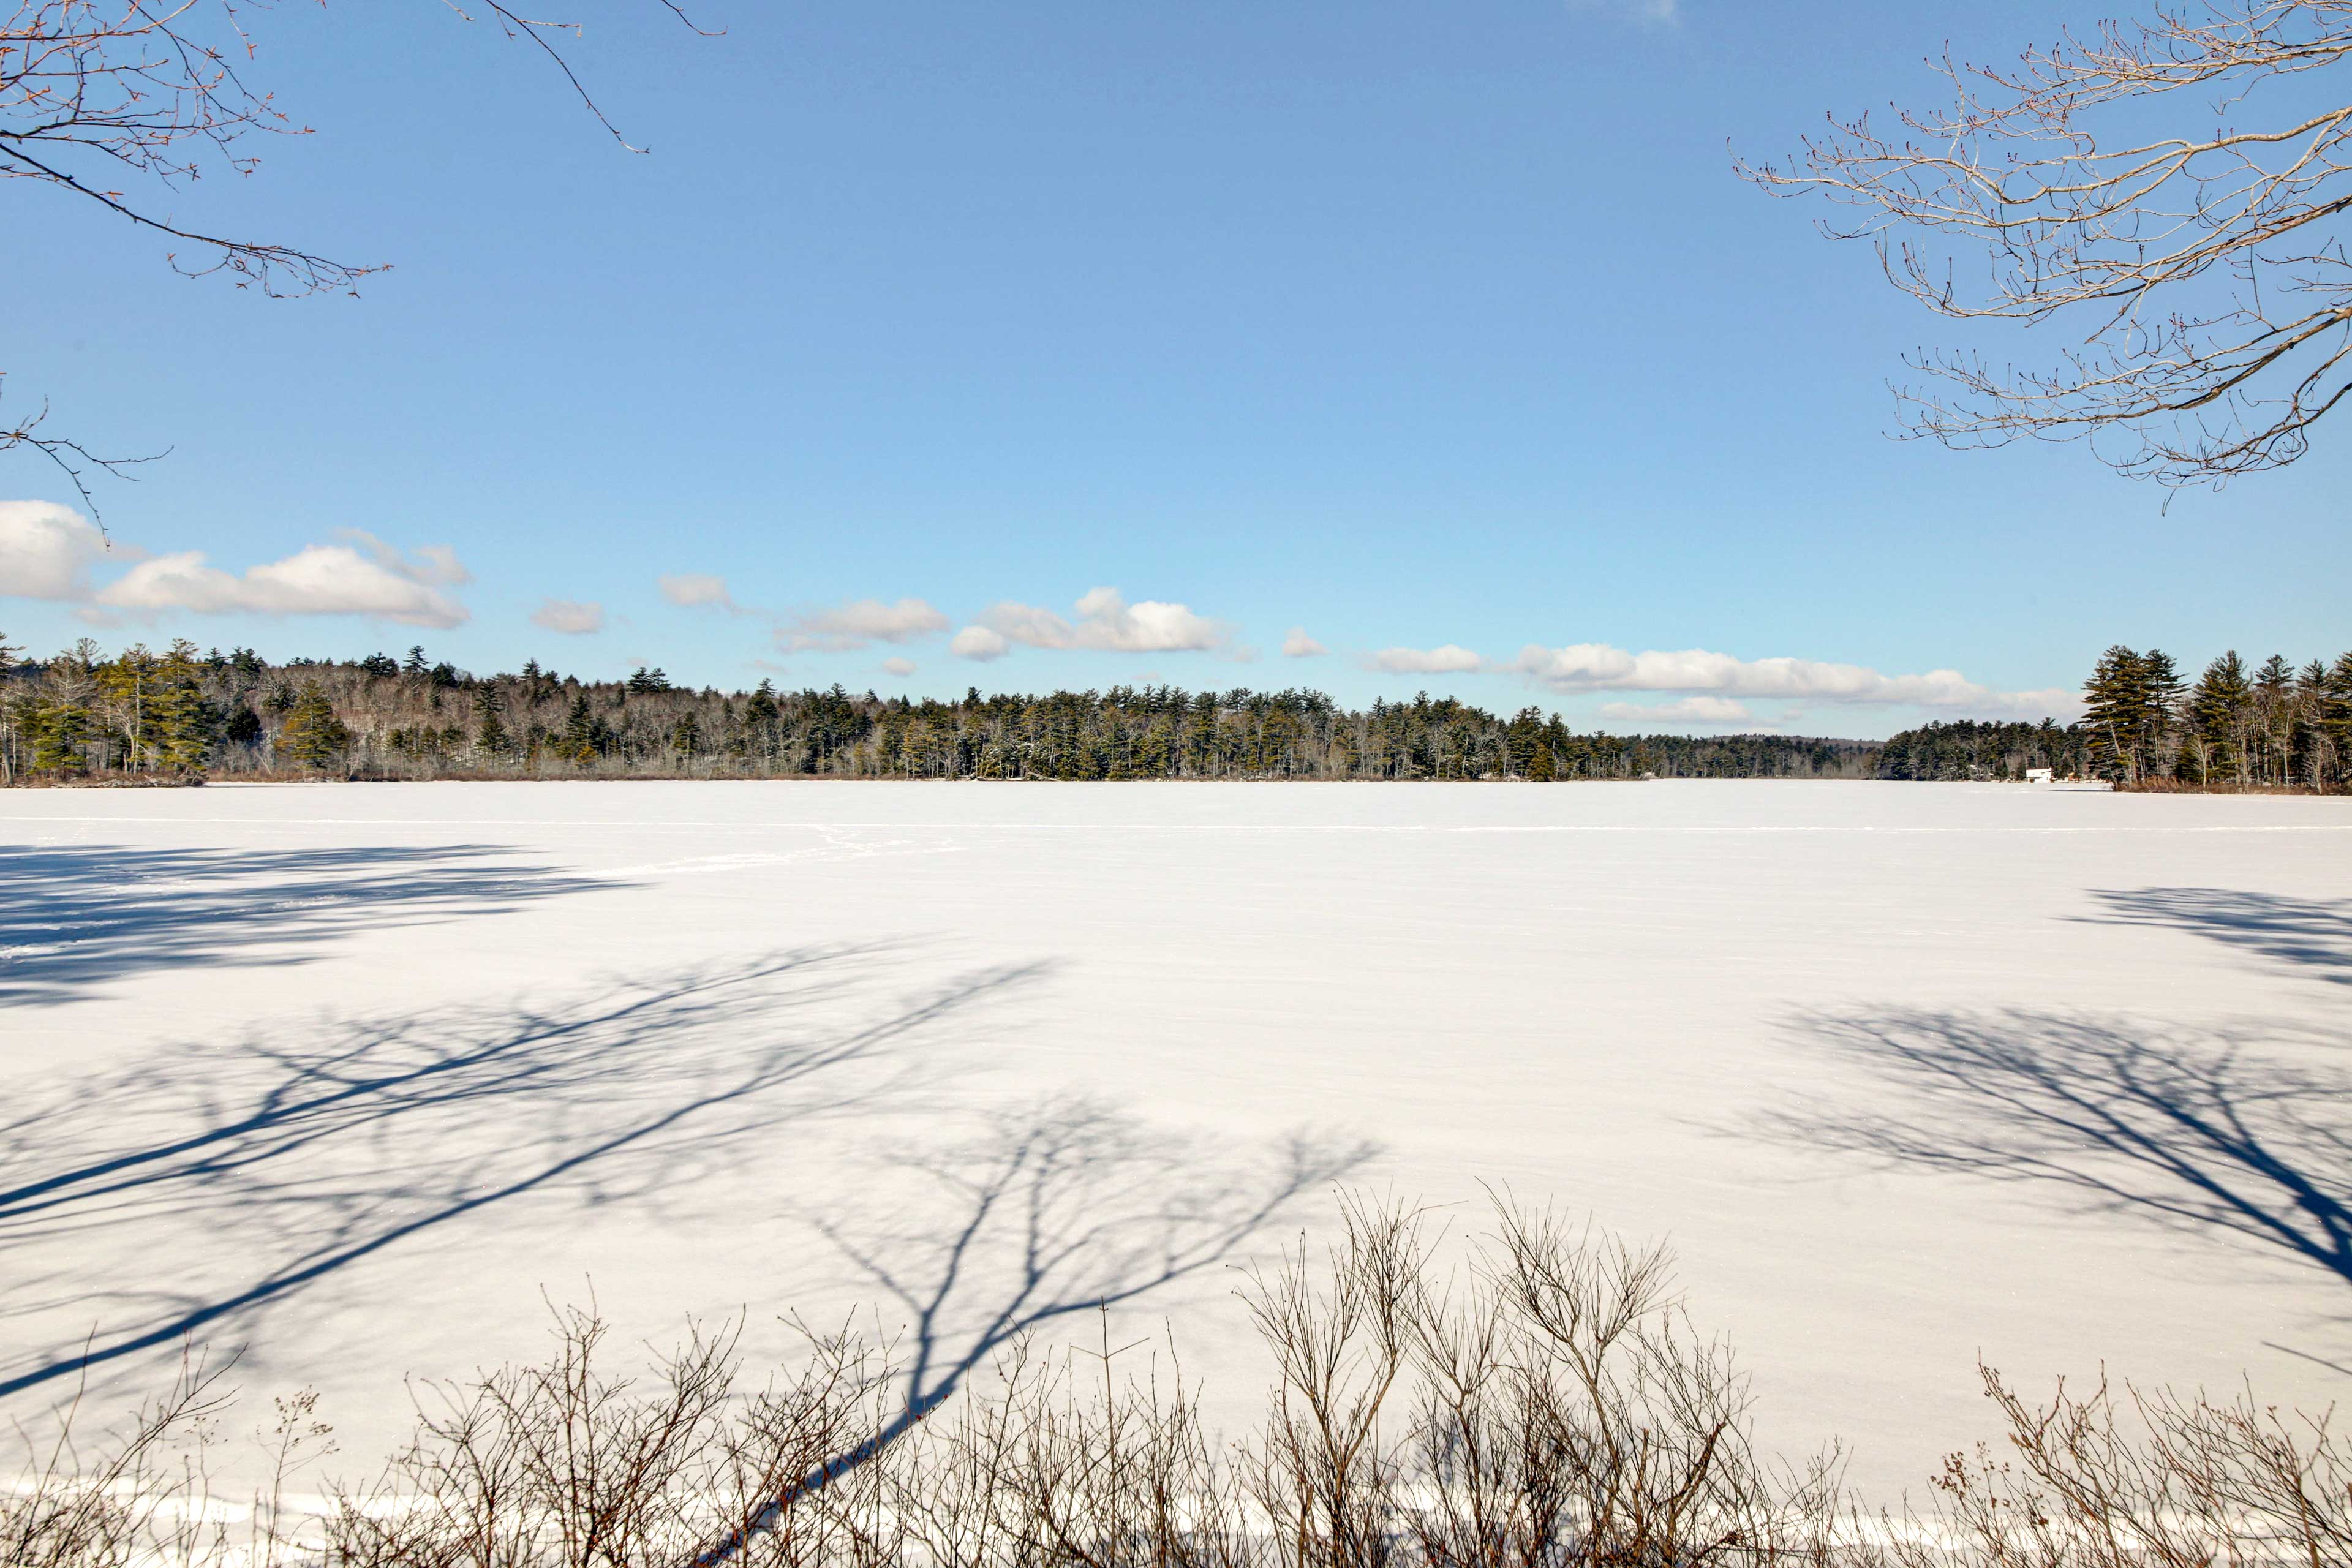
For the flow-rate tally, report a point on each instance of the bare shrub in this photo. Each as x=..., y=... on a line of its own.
x=563, y=1463
x=131, y=1502
x=2143, y=1480
x=1545, y=1403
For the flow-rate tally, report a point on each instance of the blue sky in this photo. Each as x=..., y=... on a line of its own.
x=1063, y=344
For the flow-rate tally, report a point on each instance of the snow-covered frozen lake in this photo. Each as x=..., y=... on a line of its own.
x=348, y=1075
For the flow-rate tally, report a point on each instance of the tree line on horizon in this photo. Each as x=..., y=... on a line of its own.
x=181, y=713
x=87, y=715
x=2274, y=727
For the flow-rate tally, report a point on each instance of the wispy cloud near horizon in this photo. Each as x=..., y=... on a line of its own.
x=859, y=624
x=1664, y=11
x=1450, y=659
x=1597, y=666
x=1689, y=711
x=569, y=617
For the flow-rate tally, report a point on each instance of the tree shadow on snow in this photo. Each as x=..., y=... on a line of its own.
x=2314, y=933
x=1063, y=1206
x=188, y=1196
x=2208, y=1132
x=76, y=917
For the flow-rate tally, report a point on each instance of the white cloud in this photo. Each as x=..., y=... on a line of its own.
x=689, y=590
x=859, y=624
x=1597, y=666
x=1106, y=622
x=1298, y=644
x=1668, y=11
x=1447, y=660
x=568, y=616
x=360, y=576
x=901, y=667
x=979, y=644
x=47, y=551
x=1689, y=711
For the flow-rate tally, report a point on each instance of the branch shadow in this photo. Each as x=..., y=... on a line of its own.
x=1063, y=1207
x=2314, y=933
x=74, y=918
x=2208, y=1132
x=253, y=1171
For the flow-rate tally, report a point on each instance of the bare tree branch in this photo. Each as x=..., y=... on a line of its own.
x=97, y=96
x=2206, y=272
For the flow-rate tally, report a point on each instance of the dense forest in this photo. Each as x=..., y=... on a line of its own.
x=182, y=713
x=1973, y=749
x=2272, y=726
x=2144, y=727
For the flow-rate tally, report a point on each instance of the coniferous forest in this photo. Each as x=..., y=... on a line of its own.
x=184, y=714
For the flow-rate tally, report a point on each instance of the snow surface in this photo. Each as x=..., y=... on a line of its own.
x=349, y=1075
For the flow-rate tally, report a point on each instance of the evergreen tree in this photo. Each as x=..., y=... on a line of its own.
x=2309, y=747
x=2117, y=703
x=181, y=719
x=759, y=716
x=1522, y=740
x=126, y=684
x=581, y=730
x=313, y=737
x=60, y=734
x=2219, y=709
x=2335, y=717
x=491, y=740
x=2160, y=689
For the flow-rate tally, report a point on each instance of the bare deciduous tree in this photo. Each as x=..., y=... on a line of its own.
x=2203, y=268
x=98, y=95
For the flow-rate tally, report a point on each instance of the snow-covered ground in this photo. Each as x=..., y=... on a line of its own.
x=1910, y=1074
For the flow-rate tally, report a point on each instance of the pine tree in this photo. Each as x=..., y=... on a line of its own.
x=759, y=722
x=2219, y=711
x=582, y=730
x=181, y=720
x=125, y=684
x=2116, y=702
x=313, y=737
x=1522, y=740
x=61, y=727
x=2160, y=691
x=60, y=734
x=491, y=740
x=2335, y=717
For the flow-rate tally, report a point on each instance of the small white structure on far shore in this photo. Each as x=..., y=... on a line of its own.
x=2041, y=775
